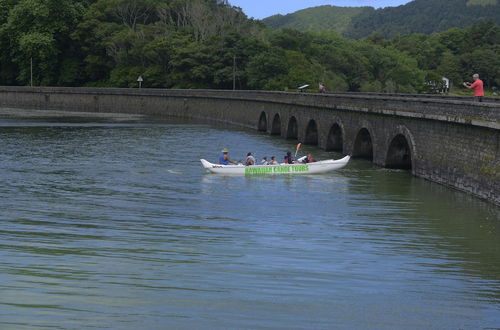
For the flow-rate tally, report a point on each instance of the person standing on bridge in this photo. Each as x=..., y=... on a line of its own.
x=322, y=88
x=477, y=86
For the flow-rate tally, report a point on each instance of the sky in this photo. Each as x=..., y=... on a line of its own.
x=264, y=8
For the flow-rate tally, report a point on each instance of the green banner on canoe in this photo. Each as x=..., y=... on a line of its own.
x=276, y=169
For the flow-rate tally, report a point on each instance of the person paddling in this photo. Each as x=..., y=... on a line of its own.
x=224, y=158
x=288, y=158
x=250, y=159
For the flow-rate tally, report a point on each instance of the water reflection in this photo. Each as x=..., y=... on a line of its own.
x=441, y=217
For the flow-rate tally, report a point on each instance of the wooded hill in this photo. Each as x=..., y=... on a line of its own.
x=194, y=44
x=418, y=16
x=321, y=18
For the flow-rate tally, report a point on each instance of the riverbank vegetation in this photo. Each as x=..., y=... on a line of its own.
x=198, y=44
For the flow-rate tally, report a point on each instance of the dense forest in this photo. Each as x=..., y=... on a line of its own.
x=198, y=43
x=417, y=16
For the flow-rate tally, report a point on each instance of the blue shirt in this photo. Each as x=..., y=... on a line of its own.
x=223, y=161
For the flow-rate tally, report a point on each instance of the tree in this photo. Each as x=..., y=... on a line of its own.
x=486, y=62
x=267, y=70
x=40, y=30
x=451, y=68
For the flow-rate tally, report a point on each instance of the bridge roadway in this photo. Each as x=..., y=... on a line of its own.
x=450, y=140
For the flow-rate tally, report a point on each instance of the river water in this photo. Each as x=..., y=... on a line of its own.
x=113, y=224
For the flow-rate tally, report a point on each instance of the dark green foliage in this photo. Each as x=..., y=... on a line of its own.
x=456, y=53
x=422, y=16
x=38, y=30
x=198, y=44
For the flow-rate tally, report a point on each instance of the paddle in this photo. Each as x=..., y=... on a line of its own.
x=297, y=149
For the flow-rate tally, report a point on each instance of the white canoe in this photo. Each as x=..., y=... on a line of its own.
x=320, y=167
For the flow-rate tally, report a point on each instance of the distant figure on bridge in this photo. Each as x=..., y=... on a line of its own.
x=322, y=88
x=477, y=86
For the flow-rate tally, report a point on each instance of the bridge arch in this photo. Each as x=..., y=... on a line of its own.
x=398, y=154
x=363, y=144
x=292, y=131
x=262, y=122
x=335, y=139
x=311, y=136
x=401, y=151
x=276, y=125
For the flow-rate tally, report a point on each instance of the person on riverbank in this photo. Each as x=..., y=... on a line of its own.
x=477, y=86
x=250, y=159
x=224, y=158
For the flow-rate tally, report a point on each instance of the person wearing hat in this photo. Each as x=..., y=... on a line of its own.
x=224, y=158
x=477, y=86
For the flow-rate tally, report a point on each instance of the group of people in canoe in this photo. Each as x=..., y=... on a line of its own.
x=250, y=159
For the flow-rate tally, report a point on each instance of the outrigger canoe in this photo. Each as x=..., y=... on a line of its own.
x=320, y=167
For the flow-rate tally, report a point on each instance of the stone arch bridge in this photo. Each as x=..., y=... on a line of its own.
x=452, y=141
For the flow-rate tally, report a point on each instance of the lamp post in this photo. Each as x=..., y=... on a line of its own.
x=140, y=80
x=234, y=72
x=31, y=71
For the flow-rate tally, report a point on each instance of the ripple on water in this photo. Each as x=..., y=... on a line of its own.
x=116, y=225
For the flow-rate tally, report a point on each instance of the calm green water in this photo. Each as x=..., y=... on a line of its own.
x=115, y=225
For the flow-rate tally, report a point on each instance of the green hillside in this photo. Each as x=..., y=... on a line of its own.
x=317, y=18
x=418, y=16
x=424, y=16
x=482, y=2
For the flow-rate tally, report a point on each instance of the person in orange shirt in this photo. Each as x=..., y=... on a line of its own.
x=477, y=86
